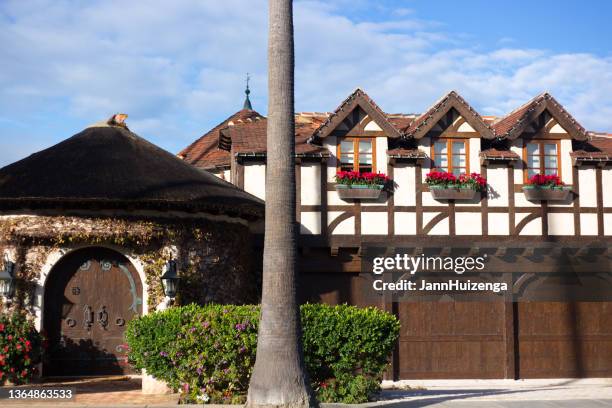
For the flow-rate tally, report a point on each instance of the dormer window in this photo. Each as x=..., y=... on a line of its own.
x=450, y=155
x=541, y=157
x=357, y=154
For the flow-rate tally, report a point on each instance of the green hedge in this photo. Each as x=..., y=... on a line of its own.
x=208, y=352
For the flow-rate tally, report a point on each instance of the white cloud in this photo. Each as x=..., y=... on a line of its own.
x=178, y=67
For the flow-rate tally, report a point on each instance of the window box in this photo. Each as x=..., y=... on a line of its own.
x=452, y=193
x=537, y=193
x=447, y=186
x=359, y=192
x=544, y=187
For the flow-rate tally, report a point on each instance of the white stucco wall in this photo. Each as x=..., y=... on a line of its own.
x=405, y=223
x=588, y=224
x=607, y=224
x=588, y=186
x=255, y=179
x=474, y=143
x=381, y=154
x=441, y=228
x=606, y=182
x=499, y=224
x=346, y=227
x=566, y=161
x=560, y=224
x=533, y=227
x=374, y=223
x=497, y=178
x=310, y=183
x=310, y=223
x=468, y=223
x=404, y=177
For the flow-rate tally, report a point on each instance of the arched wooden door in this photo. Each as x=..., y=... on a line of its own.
x=90, y=296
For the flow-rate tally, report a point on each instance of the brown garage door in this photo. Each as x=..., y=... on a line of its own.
x=451, y=340
x=559, y=340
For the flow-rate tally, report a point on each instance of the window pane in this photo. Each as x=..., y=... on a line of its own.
x=550, y=148
x=533, y=162
x=347, y=159
x=439, y=148
x=457, y=171
x=550, y=162
x=532, y=172
x=365, y=159
x=458, y=148
x=458, y=161
x=365, y=146
x=550, y=171
x=365, y=169
x=441, y=162
x=533, y=148
x=346, y=146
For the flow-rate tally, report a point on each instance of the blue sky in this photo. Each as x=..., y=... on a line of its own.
x=177, y=68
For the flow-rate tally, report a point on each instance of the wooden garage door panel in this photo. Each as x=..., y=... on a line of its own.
x=451, y=359
x=450, y=318
x=451, y=340
x=565, y=339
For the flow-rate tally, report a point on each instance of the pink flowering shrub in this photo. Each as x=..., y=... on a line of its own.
x=208, y=352
x=20, y=349
x=443, y=179
x=350, y=178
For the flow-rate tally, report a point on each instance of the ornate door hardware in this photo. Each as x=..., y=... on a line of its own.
x=88, y=317
x=103, y=317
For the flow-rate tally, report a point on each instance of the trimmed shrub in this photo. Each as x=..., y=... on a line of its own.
x=346, y=350
x=20, y=349
x=208, y=352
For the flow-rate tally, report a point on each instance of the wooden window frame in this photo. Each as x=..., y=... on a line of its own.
x=449, y=152
x=356, y=140
x=541, y=143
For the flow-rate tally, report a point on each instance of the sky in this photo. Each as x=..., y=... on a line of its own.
x=178, y=68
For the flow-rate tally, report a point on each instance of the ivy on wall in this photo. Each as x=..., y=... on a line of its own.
x=213, y=256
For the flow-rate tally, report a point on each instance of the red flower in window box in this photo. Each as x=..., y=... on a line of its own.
x=443, y=179
x=355, y=178
x=545, y=181
x=542, y=187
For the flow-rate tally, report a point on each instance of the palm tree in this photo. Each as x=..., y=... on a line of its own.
x=279, y=378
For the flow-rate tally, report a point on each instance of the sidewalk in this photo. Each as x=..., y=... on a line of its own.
x=584, y=393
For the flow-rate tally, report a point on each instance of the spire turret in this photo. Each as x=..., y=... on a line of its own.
x=247, y=91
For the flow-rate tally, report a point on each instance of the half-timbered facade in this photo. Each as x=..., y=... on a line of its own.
x=448, y=339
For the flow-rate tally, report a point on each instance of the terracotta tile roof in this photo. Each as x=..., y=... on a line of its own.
x=401, y=121
x=497, y=154
x=511, y=125
x=246, y=129
x=598, y=148
x=205, y=152
x=250, y=138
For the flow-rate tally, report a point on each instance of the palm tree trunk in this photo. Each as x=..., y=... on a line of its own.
x=279, y=378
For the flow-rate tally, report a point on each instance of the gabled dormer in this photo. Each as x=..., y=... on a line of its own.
x=450, y=132
x=358, y=131
x=542, y=133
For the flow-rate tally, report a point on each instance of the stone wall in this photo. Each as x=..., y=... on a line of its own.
x=213, y=255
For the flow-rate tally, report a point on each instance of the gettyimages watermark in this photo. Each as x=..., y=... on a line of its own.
x=487, y=275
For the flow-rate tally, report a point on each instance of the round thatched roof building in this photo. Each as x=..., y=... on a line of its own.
x=90, y=225
x=107, y=166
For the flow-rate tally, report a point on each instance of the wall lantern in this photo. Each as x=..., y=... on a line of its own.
x=7, y=278
x=170, y=279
